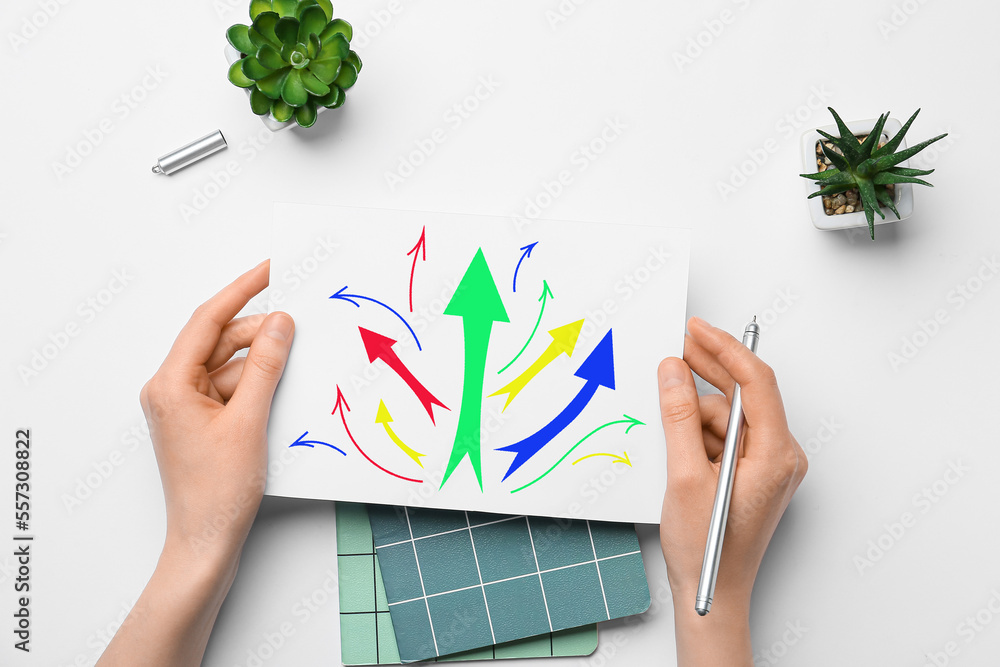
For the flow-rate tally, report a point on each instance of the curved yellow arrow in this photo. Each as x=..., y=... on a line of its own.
x=383, y=417
x=620, y=459
x=563, y=341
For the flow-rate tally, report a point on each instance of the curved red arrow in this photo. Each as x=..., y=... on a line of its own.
x=342, y=405
x=380, y=347
x=419, y=249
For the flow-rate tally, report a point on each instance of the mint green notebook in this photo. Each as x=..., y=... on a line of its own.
x=367, y=636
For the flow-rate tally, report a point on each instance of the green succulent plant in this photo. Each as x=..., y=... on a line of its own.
x=869, y=167
x=294, y=58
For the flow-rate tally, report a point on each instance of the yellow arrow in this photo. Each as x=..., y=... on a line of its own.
x=383, y=417
x=620, y=459
x=563, y=341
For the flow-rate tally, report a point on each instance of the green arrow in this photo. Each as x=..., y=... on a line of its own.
x=544, y=298
x=477, y=301
x=631, y=421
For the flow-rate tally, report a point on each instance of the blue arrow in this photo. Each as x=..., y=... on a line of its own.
x=299, y=442
x=349, y=298
x=598, y=370
x=527, y=253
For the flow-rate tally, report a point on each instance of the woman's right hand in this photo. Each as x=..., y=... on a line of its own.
x=770, y=470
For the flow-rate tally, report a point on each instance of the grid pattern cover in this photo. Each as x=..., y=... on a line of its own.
x=366, y=632
x=456, y=581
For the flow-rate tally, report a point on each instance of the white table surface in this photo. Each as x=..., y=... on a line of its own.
x=834, y=304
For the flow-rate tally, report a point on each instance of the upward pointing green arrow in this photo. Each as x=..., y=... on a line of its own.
x=477, y=301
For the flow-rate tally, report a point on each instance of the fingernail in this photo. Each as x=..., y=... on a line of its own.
x=672, y=373
x=700, y=322
x=279, y=327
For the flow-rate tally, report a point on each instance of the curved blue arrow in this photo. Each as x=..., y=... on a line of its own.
x=527, y=253
x=598, y=370
x=349, y=298
x=299, y=442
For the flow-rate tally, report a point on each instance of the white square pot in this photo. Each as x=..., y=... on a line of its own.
x=232, y=55
x=820, y=220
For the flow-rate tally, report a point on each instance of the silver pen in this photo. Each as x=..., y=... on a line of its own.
x=724, y=492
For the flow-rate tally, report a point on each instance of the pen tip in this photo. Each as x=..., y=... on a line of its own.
x=754, y=318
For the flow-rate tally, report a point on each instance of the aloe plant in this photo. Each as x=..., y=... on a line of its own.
x=294, y=58
x=869, y=167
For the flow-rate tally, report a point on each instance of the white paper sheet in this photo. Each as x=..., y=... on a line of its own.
x=414, y=427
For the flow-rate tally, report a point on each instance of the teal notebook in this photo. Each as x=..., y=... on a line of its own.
x=366, y=631
x=456, y=581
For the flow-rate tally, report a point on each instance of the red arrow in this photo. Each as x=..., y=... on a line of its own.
x=344, y=408
x=419, y=249
x=380, y=347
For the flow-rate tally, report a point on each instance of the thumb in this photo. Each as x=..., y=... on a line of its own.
x=264, y=364
x=679, y=409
